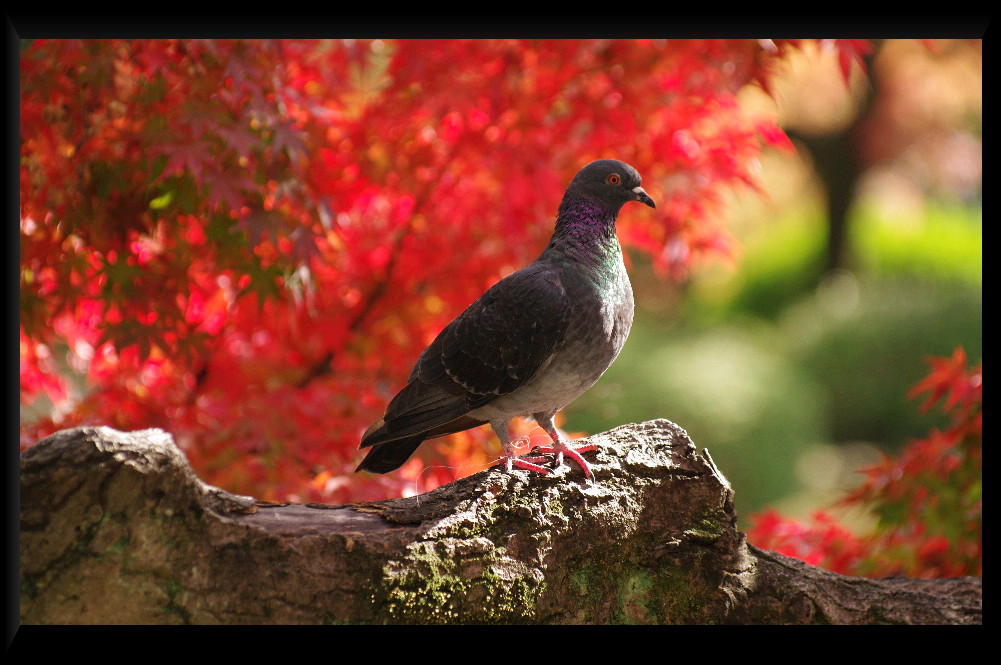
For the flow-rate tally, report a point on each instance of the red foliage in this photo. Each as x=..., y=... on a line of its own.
x=821, y=542
x=248, y=242
x=929, y=499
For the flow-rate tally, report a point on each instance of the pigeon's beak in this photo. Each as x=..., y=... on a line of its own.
x=643, y=197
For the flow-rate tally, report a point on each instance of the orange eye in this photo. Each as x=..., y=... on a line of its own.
x=613, y=179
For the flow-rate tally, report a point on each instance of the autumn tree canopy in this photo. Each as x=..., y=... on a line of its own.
x=247, y=243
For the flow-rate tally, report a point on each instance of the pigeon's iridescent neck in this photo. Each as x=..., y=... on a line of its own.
x=585, y=230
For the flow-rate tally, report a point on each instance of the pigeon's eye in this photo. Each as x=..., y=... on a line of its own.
x=613, y=179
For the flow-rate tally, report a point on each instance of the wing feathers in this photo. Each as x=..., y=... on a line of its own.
x=491, y=349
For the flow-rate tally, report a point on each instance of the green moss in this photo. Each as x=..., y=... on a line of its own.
x=634, y=597
x=329, y=620
x=626, y=588
x=441, y=588
x=679, y=598
x=435, y=583
x=29, y=587
x=707, y=531
x=581, y=579
x=446, y=580
x=440, y=594
x=172, y=608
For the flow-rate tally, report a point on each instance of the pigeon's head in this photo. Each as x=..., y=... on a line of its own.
x=612, y=182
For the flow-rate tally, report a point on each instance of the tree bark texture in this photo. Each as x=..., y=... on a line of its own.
x=116, y=528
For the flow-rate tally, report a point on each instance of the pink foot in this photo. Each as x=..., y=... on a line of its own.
x=512, y=460
x=525, y=463
x=562, y=449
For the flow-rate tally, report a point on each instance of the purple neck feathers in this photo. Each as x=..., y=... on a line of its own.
x=585, y=228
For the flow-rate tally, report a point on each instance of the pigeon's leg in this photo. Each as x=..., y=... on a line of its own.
x=511, y=458
x=561, y=448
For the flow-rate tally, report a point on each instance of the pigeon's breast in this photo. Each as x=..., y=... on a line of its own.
x=595, y=334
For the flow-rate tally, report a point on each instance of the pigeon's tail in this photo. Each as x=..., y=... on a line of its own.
x=389, y=453
x=389, y=456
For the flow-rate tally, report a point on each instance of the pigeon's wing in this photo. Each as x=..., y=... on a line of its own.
x=491, y=349
x=502, y=339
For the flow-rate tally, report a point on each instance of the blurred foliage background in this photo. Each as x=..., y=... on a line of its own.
x=864, y=257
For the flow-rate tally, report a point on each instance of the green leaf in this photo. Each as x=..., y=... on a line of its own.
x=161, y=202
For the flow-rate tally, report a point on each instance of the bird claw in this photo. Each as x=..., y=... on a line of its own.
x=575, y=455
x=523, y=463
x=532, y=461
x=586, y=448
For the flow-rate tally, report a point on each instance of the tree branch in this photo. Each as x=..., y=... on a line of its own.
x=116, y=528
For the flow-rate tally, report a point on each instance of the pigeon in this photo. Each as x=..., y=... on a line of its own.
x=532, y=343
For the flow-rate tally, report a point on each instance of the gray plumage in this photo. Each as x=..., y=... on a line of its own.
x=533, y=342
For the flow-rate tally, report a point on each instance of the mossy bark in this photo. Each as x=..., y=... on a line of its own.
x=116, y=528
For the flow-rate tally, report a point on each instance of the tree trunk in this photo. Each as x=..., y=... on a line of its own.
x=116, y=528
